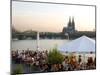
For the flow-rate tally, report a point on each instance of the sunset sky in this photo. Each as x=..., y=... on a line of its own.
x=46, y=17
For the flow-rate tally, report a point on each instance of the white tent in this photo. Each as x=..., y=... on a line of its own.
x=82, y=44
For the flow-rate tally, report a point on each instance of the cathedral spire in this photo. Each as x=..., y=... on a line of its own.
x=73, y=23
x=69, y=23
x=73, y=19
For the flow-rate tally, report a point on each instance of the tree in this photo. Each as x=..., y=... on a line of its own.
x=55, y=57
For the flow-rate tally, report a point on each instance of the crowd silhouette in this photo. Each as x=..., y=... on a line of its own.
x=38, y=59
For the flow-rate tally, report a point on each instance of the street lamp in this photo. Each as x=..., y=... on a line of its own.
x=37, y=40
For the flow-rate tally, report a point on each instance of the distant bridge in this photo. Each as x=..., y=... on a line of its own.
x=21, y=36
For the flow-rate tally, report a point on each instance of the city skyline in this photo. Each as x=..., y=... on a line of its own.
x=46, y=17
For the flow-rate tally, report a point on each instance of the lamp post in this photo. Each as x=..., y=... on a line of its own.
x=37, y=40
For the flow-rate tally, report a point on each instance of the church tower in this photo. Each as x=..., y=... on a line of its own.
x=73, y=24
x=69, y=23
x=70, y=27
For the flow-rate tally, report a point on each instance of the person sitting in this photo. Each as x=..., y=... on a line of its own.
x=80, y=59
x=45, y=68
x=73, y=63
x=60, y=66
x=65, y=63
x=54, y=68
x=89, y=62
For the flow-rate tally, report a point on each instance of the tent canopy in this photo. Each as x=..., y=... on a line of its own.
x=82, y=44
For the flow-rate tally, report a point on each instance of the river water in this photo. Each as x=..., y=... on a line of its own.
x=32, y=44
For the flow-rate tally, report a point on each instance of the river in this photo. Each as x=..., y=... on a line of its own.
x=32, y=44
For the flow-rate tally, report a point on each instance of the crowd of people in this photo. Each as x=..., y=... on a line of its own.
x=38, y=59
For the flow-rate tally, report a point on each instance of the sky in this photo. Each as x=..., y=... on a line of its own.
x=46, y=17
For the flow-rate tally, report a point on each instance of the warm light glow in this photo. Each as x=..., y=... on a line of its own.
x=51, y=17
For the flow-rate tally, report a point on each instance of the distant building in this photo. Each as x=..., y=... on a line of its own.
x=13, y=29
x=70, y=28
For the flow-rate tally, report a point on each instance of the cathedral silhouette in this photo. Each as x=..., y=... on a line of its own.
x=71, y=26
